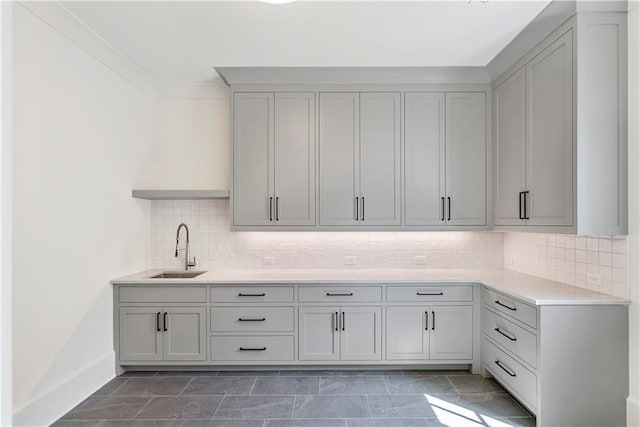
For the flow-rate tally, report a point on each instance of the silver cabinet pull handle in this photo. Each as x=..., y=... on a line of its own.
x=504, y=334
x=504, y=368
x=505, y=306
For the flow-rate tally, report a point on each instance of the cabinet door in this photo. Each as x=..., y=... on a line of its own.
x=509, y=104
x=407, y=333
x=424, y=158
x=140, y=333
x=339, y=140
x=295, y=158
x=550, y=135
x=185, y=335
x=252, y=158
x=451, y=332
x=360, y=333
x=318, y=333
x=380, y=158
x=466, y=159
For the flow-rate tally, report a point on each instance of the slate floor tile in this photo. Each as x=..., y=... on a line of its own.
x=77, y=423
x=142, y=423
x=255, y=407
x=475, y=384
x=308, y=373
x=399, y=406
x=388, y=422
x=374, y=372
x=129, y=374
x=107, y=408
x=306, y=423
x=419, y=385
x=110, y=387
x=285, y=385
x=219, y=386
x=428, y=372
x=187, y=373
x=180, y=407
x=248, y=373
x=319, y=406
x=224, y=423
x=353, y=385
x=488, y=404
x=155, y=386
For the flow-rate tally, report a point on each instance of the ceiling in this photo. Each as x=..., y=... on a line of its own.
x=181, y=41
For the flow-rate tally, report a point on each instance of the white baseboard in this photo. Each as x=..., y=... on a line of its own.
x=57, y=401
x=633, y=413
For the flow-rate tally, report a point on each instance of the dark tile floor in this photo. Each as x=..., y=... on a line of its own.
x=299, y=398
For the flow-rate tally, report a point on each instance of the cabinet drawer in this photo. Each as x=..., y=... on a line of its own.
x=252, y=319
x=252, y=294
x=340, y=294
x=241, y=348
x=430, y=293
x=162, y=294
x=513, y=375
x=512, y=337
x=518, y=310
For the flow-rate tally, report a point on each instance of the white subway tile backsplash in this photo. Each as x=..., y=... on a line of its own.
x=571, y=259
x=216, y=247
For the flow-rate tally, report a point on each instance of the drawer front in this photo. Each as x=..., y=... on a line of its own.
x=252, y=294
x=513, y=375
x=252, y=319
x=247, y=348
x=512, y=337
x=328, y=294
x=162, y=294
x=511, y=307
x=430, y=293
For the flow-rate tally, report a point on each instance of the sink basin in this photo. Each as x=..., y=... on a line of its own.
x=177, y=275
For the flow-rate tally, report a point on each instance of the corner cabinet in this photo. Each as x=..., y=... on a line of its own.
x=360, y=158
x=560, y=131
x=274, y=159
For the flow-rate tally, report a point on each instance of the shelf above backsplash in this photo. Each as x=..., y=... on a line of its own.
x=179, y=194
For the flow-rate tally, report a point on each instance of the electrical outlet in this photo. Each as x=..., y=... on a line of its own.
x=268, y=260
x=594, y=279
x=350, y=260
x=420, y=260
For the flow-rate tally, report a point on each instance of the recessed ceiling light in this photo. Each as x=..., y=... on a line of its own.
x=276, y=1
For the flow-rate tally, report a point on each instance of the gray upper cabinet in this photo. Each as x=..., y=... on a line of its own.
x=360, y=158
x=549, y=152
x=424, y=142
x=509, y=114
x=295, y=159
x=253, y=158
x=274, y=159
x=445, y=159
x=465, y=181
x=339, y=142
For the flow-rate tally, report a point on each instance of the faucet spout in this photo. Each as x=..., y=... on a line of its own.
x=187, y=262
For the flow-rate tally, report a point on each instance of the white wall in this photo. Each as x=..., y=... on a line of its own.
x=82, y=132
x=633, y=404
x=191, y=139
x=5, y=214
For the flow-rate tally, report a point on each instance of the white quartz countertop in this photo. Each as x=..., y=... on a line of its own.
x=531, y=289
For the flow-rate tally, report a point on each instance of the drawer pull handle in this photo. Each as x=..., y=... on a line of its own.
x=165, y=328
x=508, y=371
x=251, y=295
x=505, y=306
x=251, y=320
x=429, y=293
x=349, y=294
x=253, y=349
x=158, y=322
x=504, y=334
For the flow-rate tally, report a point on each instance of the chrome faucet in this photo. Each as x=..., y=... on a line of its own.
x=187, y=263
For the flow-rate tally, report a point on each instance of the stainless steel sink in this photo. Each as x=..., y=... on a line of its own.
x=177, y=275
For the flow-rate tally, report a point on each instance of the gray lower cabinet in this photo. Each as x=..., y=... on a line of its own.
x=162, y=333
